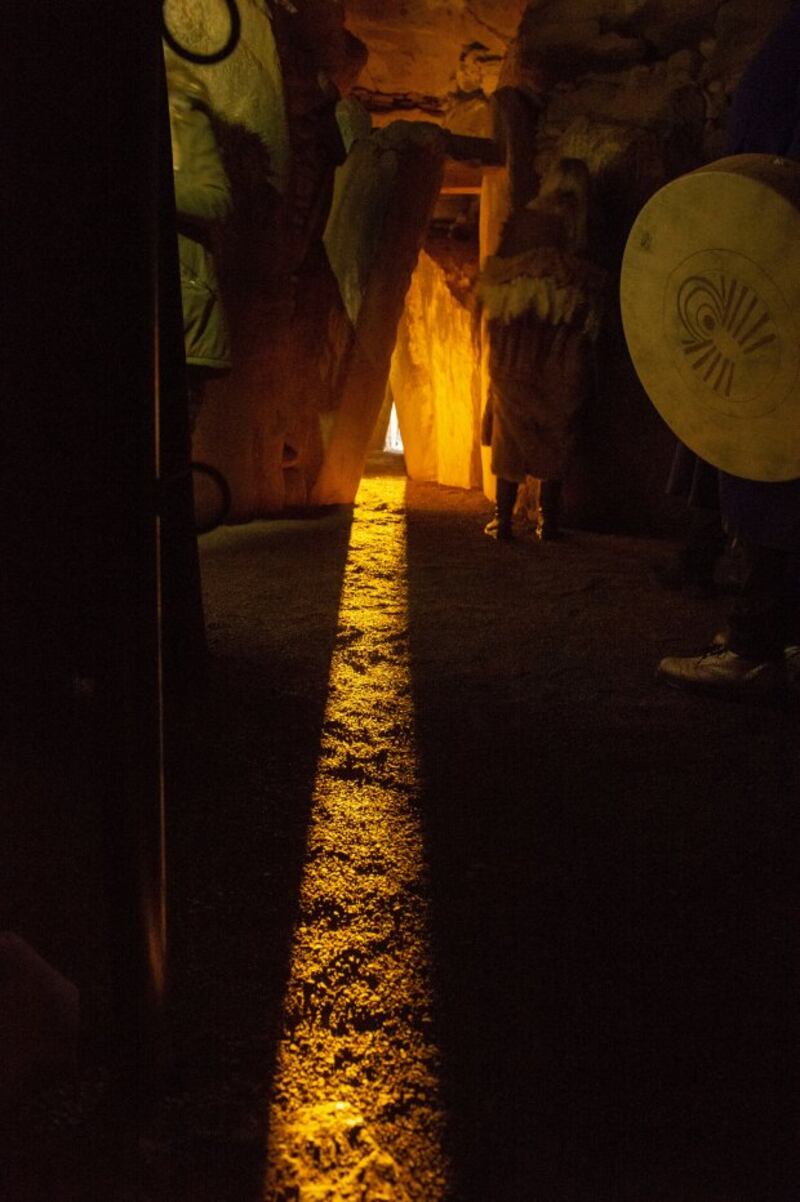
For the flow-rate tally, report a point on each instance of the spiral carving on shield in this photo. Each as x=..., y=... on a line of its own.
x=726, y=324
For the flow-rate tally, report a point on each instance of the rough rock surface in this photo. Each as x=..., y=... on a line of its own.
x=275, y=116
x=435, y=376
x=395, y=178
x=327, y=1151
x=247, y=88
x=639, y=88
x=414, y=47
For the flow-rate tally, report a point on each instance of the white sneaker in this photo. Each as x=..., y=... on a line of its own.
x=719, y=670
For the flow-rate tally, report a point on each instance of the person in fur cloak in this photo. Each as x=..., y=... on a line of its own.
x=542, y=301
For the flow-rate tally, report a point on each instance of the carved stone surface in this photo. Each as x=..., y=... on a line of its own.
x=275, y=116
x=710, y=297
x=728, y=339
x=414, y=50
x=246, y=88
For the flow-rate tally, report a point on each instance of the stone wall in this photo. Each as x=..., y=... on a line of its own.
x=623, y=59
x=435, y=377
x=274, y=100
x=641, y=92
x=640, y=89
x=385, y=195
x=414, y=48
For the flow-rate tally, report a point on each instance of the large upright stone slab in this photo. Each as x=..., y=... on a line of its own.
x=383, y=201
x=247, y=88
x=275, y=118
x=435, y=381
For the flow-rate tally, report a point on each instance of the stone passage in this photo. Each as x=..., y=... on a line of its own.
x=356, y=1113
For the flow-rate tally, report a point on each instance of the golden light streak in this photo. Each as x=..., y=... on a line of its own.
x=356, y=1111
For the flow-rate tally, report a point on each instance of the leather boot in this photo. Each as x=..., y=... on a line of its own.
x=500, y=525
x=549, y=510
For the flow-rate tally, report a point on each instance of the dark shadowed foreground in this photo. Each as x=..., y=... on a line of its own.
x=465, y=906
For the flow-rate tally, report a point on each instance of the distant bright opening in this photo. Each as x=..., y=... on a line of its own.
x=394, y=441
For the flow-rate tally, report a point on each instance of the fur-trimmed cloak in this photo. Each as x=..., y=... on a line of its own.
x=543, y=309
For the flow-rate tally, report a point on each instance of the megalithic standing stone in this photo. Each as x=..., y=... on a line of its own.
x=383, y=201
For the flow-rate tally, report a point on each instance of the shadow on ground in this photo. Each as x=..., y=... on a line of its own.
x=613, y=870
x=247, y=753
x=241, y=756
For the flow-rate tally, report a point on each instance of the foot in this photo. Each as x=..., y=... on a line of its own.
x=501, y=532
x=720, y=670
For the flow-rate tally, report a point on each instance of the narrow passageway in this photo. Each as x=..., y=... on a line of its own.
x=515, y=878
x=465, y=906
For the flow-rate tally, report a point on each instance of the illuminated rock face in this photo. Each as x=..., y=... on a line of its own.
x=637, y=88
x=246, y=88
x=383, y=203
x=414, y=47
x=275, y=116
x=435, y=381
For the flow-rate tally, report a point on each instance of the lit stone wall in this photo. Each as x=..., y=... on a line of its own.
x=593, y=49
x=638, y=88
x=274, y=108
x=312, y=323
x=384, y=198
x=246, y=88
x=414, y=47
x=435, y=381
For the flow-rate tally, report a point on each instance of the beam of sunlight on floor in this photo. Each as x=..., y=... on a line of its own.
x=356, y=1112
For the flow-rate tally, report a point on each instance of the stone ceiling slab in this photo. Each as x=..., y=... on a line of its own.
x=415, y=46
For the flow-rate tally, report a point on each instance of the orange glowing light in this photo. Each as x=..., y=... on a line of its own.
x=356, y=1111
x=436, y=381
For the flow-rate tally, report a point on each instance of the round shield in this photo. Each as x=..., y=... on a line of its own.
x=710, y=296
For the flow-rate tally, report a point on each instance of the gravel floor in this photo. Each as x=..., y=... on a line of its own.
x=465, y=906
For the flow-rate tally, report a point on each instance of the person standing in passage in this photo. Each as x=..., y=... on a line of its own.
x=202, y=200
x=759, y=652
x=542, y=300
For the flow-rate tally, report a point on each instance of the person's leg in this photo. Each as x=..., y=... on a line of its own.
x=761, y=621
x=695, y=563
x=696, y=483
x=751, y=656
x=549, y=510
x=500, y=525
